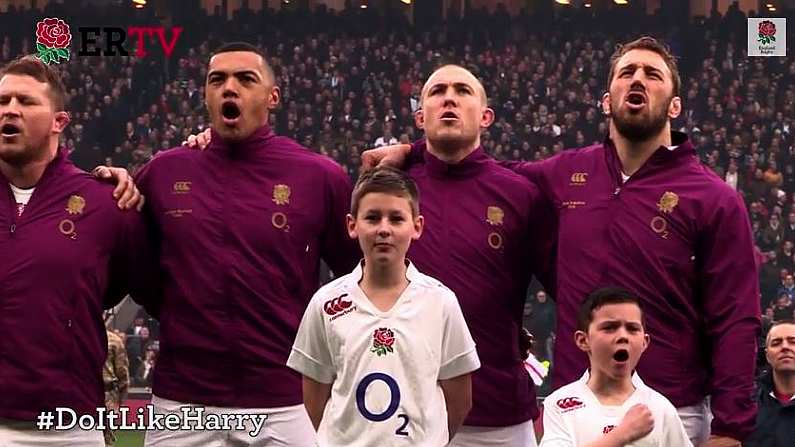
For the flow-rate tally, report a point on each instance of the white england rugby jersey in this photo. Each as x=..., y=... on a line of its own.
x=384, y=366
x=573, y=416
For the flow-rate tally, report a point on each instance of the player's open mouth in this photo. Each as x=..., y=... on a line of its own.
x=636, y=100
x=9, y=130
x=622, y=355
x=449, y=116
x=231, y=112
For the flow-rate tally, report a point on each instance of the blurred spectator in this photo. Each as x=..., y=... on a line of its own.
x=541, y=323
x=733, y=176
x=783, y=308
x=789, y=228
x=137, y=346
x=773, y=234
x=143, y=375
x=136, y=327
x=788, y=288
x=775, y=422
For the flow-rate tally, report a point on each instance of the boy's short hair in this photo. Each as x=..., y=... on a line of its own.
x=602, y=297
x=386, y=180
x=31, y=66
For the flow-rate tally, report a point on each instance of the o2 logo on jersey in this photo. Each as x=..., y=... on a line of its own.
x=569, y=404
x=391, y=409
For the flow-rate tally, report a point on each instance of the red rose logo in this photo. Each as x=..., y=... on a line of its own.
x=383, y=339
x=53, y=33
x=52, y=40
x=767, y=32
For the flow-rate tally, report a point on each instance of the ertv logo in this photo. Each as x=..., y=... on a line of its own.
x=53, y=37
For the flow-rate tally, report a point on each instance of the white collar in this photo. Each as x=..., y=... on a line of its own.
x=412, y=274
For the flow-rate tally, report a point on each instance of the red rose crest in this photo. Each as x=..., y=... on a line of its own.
x=52, y=40
x=767, y=32
x=383, y=339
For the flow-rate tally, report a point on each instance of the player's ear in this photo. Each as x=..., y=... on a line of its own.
x=486, y=118
x=646, y=340
x=675, y=108
x=419, y=119
x=60, y=122
x=350, y=222
x=581, y=340
x=274, y=97
x=606, y=104
x=419, y=225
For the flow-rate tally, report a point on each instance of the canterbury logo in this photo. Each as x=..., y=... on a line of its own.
x=608, y=429
x=181, y=187
x=336, y=305
x=569, y=402
x=579, y=177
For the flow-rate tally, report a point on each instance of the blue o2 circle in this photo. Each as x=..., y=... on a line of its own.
x=393, y=403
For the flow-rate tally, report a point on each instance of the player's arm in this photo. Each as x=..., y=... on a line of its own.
x=458, y=399
x=729, y=287
x=311, y=356
x=133, y=264
x=316, y=395
x=394, y=156
x=138, y=254
x=340, y=252
x=458, y=360
x=126, y=193
x=542, y=240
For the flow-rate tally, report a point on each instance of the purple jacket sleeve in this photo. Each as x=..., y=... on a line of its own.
x=139, y=248
x=535, y=171
x=543, y=240
x=133, y=265
x=730, y=290
x=340, y=252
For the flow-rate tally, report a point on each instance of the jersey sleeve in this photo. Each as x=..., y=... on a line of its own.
x=311, y=355
x=458, y=356
x=555, y=432
x=673, y=430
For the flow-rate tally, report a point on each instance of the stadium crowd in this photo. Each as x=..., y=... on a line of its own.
x=345, y=91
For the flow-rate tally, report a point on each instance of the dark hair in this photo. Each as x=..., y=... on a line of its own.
x=38, y=70
x=245, y=46
x=602, y=297
x=651, y=44
x=386, y=180
x=777, y=323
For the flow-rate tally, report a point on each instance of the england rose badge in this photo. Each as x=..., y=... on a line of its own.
x=52, y=40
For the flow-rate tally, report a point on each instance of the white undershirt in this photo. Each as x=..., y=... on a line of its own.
x=22, y=197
